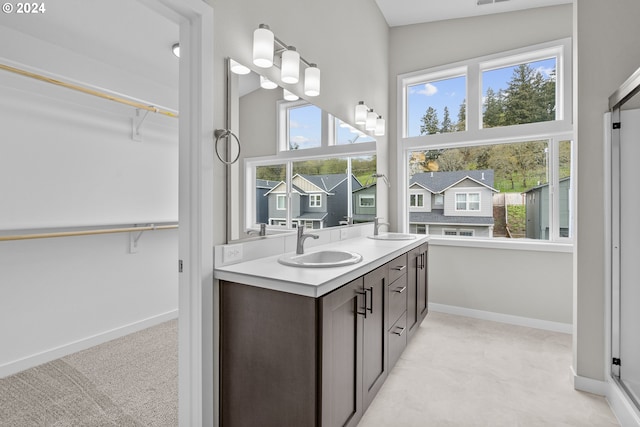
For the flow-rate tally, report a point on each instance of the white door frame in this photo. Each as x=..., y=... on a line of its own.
x=195, y=315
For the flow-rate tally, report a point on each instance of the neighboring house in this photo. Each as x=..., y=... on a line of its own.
x=317, y=201
x=364, y=204
x=458, y=203
x=263, y=186
x=537, y=201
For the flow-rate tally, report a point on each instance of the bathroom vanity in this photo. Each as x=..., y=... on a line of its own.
x=312, y=346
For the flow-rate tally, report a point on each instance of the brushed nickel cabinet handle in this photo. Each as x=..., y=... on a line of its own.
x=401, y=290
x=399, y=268
x=399, y=333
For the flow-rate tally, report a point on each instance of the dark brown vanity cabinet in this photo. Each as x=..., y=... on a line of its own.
x=418, y=289
x=291, y=360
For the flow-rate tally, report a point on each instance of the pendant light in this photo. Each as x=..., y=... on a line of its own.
x=312, y=80
x=265, y=83
x=290, y=72
x=263, y=46
x=370, y=123
x=380, y=126
x=361, y=113
x=289, y=96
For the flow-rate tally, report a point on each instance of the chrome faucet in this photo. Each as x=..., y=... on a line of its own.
x=377, y=225
x=262, y=232
x=301, y=238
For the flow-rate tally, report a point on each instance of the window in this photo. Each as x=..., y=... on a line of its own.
x=417, y=200
x=304, y=127
x=418, y=229
x=315, y=200
x=467, y=201
x=281, y=202
x=501, y=167
x=436, y=105
x=366, y=201
x=347, y=134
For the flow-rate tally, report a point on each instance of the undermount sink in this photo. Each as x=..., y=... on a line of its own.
x=393, y=236
x=321, y=259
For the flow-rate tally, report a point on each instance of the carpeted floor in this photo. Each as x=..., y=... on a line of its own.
x=130, y=381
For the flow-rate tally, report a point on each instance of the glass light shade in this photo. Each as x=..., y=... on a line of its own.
x=289, y=96
x=290, y=72
x=265, y=83
x=263, y=47
x=380, y=126
x=176, y=49
x=238, y=68
x=370, y=124
x=312, y=80
x=361, y=113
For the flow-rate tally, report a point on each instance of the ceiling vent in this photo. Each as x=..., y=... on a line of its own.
x=482, y=2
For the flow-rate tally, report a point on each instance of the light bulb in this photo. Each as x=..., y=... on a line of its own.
x=263, y=46
x=238, y=68
x=361, y=113
x=265, y=83
x=380, y=126
x=312, y=80
x=290, y=72
x=289, y=96
x=370, y=124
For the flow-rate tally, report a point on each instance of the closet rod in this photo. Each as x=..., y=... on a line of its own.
x=85, y=232
x=88, y=91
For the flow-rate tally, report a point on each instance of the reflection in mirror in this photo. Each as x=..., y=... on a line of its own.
x=316, y=192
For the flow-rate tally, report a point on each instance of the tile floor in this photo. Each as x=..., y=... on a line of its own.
x=459, y=371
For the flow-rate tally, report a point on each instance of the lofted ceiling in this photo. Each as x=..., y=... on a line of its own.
x=405, y=12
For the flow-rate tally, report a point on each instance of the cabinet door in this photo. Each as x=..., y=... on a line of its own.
x=413, y=273
x=342, y=325
x=423, y=283
x=375, y=363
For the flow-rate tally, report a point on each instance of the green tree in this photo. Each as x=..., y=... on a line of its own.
x=529, y=97
x=461, y=125
x=430, y=123
x=494, y=115
x=447, y=126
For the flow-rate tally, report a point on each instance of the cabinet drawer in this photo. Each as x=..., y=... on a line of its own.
x=397, y=298
x=397, y=339
x=397, y=268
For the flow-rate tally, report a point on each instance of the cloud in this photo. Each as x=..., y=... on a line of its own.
x=545, y=71
x=428, y=90
x=294, y=124
x=299, y=139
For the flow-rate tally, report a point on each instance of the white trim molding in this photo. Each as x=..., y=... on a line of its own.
x=546, y=325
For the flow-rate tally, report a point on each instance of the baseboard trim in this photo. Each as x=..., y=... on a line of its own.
x=83, y=344
x=547, y=325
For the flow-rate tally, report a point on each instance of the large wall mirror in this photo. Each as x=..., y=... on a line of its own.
x=298, y=165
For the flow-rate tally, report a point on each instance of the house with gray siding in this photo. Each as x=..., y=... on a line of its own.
x=456, y=203
x=364, y=203
x=317, y=201
x=537, y=202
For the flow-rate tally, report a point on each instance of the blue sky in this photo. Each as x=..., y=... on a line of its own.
x=452, y=92
x=305, y=128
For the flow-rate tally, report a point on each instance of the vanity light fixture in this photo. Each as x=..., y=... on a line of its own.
x=176, y=49
x=289, y=96
x=312, y=80
x=361, y=113
x=238, y=68
x=290, y=71
x=265, y=83
x=372, y=117
x=266, y=45
x=380, y=126
x=263, y=46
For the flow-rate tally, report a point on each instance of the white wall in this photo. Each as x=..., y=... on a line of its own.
x=607, y=54
x=525, y=284
x=69, y=160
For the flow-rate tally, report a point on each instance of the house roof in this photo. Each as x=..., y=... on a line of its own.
x=437, y=216
x=266, y=183
x=537, y=187
x=365, y=187
x=328, y=182
x=439, y=182
x=312, y=216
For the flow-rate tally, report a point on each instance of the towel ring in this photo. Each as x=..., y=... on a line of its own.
x=225, y=133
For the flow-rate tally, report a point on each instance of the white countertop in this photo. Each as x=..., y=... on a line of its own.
x=314, y=282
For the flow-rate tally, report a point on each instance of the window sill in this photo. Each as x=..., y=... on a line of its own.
x=503, y=243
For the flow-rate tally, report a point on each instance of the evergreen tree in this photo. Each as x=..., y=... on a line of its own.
x=462, y=117
x=493, y=109
x=429, y=121
x=447, y=126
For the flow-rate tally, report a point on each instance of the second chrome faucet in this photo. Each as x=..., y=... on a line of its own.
x=301, y=238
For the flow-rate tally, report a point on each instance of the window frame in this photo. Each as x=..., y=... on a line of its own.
x=280, y=197
x=368, y=197
x=467, y=202
x=554, y=132
x=315, y=200
x=417, y=196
